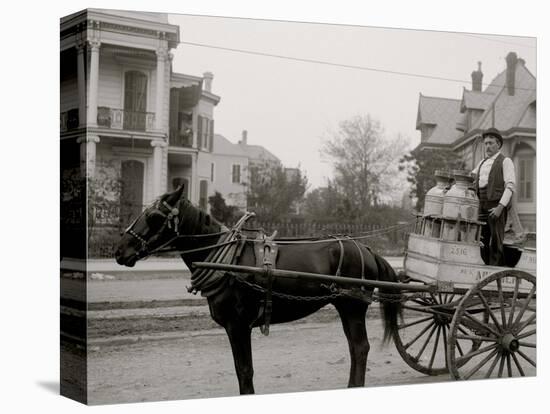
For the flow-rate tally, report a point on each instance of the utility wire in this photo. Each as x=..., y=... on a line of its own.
x=341, y=65
x=496, y=40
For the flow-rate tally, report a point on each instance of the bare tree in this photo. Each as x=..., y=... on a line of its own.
x=365, y=161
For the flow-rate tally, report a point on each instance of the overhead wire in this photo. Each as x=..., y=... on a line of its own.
x=334, y=64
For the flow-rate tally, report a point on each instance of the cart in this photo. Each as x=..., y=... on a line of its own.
x=460, y=316
x=482, y=321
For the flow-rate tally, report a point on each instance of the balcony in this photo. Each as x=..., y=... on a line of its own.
x=122, y=119
x=69, y=120
x=181, y=138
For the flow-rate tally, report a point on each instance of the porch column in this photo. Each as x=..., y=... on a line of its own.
x=193, y=185
x=162, y=55
x=88, y=154
x=81, y=83
x=94, y=82
x=158, y=148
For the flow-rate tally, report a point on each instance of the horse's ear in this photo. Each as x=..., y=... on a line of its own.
x=175, y=196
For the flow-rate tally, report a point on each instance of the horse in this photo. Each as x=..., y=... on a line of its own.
x=238, y=303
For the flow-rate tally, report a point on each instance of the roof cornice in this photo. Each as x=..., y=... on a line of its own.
x=120, y=24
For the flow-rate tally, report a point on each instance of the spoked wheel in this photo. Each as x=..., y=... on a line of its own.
x=421, y=338
x=507, y=337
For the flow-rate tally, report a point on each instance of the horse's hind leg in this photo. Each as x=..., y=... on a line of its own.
x=239, y=337
x=352, y=315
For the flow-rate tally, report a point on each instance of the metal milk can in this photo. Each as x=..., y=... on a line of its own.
x=433, y=201
x=461, y=200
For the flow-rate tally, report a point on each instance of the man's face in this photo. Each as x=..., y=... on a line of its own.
x=491, y=145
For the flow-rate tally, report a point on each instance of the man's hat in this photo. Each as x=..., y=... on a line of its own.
x=493, y=132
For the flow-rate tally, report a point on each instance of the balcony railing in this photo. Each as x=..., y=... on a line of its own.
x=181, y=138
x=115, y=118
x=69, y=120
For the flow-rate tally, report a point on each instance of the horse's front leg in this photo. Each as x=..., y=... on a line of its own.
x=241, y=346
x=353, y=322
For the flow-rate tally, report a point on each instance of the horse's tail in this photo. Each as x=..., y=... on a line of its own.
x=390, y=299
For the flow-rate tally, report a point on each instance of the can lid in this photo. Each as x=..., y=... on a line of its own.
x=442, y=174
x=463, y=174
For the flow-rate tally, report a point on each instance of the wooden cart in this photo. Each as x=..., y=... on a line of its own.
x=481, y=323
x=460, y=315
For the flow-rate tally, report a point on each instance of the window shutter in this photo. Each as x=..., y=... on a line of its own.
x=529, y=179
x=205, y=132
x=141, y=95
x=199, y=132
x=211, y=135
x=236, y=174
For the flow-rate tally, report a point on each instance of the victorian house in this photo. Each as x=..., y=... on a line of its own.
x=507, y=103
x=135, y=129
x=129, y=124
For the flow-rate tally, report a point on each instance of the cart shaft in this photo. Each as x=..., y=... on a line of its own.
x=341, y=280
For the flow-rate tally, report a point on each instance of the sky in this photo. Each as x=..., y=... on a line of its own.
x=291, y=106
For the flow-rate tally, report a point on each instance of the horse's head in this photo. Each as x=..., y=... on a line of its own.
x=154, y=228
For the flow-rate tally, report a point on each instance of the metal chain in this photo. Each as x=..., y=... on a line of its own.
x=376, y=297
x=260, y=289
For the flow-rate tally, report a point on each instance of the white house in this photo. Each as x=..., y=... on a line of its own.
x=125, y=114
x=230, y=172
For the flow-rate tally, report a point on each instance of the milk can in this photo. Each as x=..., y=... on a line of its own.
x=433, y=202
x=461, y=200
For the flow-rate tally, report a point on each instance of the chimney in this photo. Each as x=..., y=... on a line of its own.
x=208, y=77
x=511, y=62
x=244, y=139
x=477, y=78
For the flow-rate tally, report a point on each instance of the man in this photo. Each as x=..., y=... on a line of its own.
x=495, y=183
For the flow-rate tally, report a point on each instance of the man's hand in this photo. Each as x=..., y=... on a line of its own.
x=496, y=212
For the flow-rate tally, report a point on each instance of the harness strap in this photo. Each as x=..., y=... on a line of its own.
x=362, y=258
x=341, y=260
x=266, y=257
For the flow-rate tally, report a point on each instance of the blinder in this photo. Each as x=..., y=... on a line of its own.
x=171, y=220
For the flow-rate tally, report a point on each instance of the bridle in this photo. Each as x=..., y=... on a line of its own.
x=171, y=220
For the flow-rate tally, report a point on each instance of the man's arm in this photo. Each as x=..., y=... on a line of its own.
x=509, y=174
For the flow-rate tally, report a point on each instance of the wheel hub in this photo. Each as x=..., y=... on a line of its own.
x=509, y=343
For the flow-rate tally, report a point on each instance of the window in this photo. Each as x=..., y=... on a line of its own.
x=135, y=100
x=212, y=172
x=525, y=179
x=205, y=133
x=203, y=190
x=236, y=173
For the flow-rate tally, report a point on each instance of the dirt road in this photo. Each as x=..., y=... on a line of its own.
x=294, y=357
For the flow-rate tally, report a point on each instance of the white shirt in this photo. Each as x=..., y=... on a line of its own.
x=508, y=173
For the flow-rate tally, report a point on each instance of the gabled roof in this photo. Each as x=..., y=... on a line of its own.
x=529, y=117
x=443, y=114
x=499, y=109
x=475, y=100
x=506, y=111
x=258, y=153
x=222, y=146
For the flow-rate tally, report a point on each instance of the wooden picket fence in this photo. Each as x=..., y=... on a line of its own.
x=386, y=239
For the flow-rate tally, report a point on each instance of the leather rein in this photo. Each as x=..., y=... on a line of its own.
x=172, y=221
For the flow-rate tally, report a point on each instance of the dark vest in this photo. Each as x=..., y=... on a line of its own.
x=495, y=185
